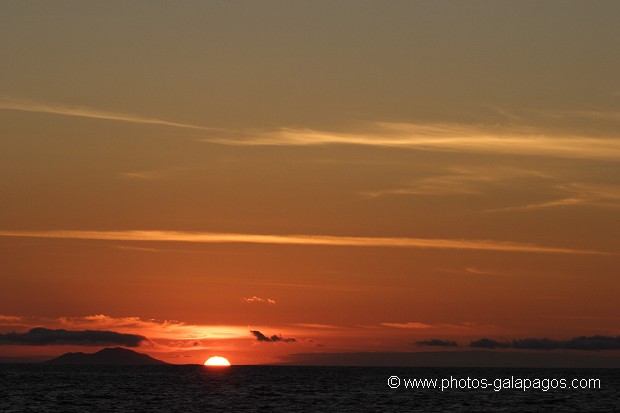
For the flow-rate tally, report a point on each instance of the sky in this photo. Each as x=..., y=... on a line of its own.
x=279, y=181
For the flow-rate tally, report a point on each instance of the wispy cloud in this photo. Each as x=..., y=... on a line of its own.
x=508, y=140
x=436, y=185
x=356, y=287
x=463, y=181
x=446, y=136
x=325, y=240
x=4, y=319
x=258, y=300
x=317, y=326
x=416, y=325
x=594, y=115
x=476, y=271
x=411, y=324
x=85, y=112
x=575, y=194
x=132, y=248
x=147, y=175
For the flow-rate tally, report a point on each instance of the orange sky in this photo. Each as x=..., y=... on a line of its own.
x=354, y=176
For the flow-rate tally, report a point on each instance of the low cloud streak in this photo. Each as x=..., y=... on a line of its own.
x=509, y=140
x=84, y=112
x=576, y=194
x=444, y=137
x=411, y=325
x=309, y=240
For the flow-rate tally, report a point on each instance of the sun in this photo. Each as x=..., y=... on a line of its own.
x=217, y=361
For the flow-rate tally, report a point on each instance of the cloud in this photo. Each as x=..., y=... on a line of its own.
x=317, y=326
x=317, y=286
x=40, y=336
x=437, y=343
x=255, y=299
x=84, y=112
x=132, y=248
x=260, y=336
x=476, y=271
x=155, y=329
x=273, y=339
x=413, y=325
x=449, y=137
x=536, y=344
x=488, y=343
x=9, y=318
x=594, y=115
x=165, y=335
x=437, y=185
x=575, y=343
x=593, y=343
x=145, y=175
x=159, y=332
x=459, y=181
x=326, y=240
x=575, y=194
x=507, y=139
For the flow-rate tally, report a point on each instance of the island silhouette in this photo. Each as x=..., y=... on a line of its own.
x=115, y=355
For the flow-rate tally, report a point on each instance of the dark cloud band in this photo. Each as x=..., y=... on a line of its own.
x=436, y=343
x=273, y=339
x=575, y=343
x=40, y=336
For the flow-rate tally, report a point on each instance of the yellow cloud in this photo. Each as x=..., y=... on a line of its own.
x=449, y=137
x=84, y=112
x=327, y=240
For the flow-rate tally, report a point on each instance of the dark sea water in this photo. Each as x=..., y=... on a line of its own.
x=55, y=388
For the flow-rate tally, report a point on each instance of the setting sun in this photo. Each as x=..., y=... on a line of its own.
x=217, y=361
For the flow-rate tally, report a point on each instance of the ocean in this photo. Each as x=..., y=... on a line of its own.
x=192, y=388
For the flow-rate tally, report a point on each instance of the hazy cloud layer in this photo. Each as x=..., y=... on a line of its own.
x=40, y=336
x=273, y=339
x=327, y=240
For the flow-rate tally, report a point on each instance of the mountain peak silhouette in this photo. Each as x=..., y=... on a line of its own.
x=114, y=355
